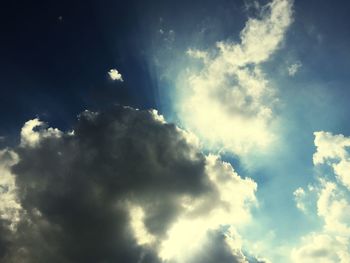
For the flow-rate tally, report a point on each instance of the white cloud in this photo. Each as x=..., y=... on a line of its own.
x=230, y=205
x=229, y=102
x=9, y=205
x=334, y=208
x=299, y=196
x=236, y=196
x=143, y=237
x=322, y=248
x=294, y=68
x=115, y=75
x=332, y=242
x=200, y=54
x=333, y=150
x=34, y=130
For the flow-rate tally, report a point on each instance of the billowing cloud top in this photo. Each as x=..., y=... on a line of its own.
x=124, y=186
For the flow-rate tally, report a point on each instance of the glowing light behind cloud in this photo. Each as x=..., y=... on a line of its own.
x=189, y=234
x=141, y=233
x=221, y=207
x=229, y=102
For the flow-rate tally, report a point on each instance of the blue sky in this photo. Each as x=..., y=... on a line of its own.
x=251, y=80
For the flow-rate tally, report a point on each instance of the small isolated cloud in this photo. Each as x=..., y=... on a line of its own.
x=294, y=68
x=125, y=186
x=251, y=4
x=299, y=196
x=115, y=75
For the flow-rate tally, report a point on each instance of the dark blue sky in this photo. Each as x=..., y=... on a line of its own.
x=56, y=68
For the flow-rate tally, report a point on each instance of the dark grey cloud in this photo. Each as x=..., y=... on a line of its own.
x=4, y=237
x=75, y=191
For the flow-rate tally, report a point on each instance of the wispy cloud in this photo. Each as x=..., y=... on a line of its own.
x=294, y=68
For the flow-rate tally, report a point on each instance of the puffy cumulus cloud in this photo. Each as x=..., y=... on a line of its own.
x=229, y=102
x=232, y=209
x=34, y=130
x=322, y=248
x=332, y=242
x=115, y=75
x=9, y=205
x=124, y=186
x=334, y=207
x=333, y=150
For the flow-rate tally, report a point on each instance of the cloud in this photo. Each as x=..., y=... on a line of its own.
x=115, y=75
x=229, y=102
x=31, y=137
x=322, y=248
x=124, y=186
x=9, y=206
x=333, y=150
x=299, y=196
x=332, y=242
x=294, y=68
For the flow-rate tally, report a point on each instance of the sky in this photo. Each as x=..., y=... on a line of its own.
x=175, y=131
